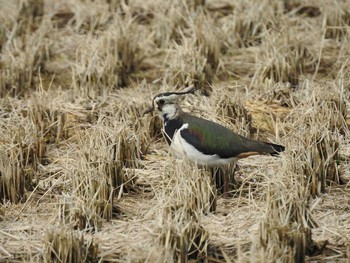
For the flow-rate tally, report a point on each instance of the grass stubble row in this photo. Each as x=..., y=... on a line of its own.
x=85, y=177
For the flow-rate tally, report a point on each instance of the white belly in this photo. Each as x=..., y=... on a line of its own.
x=181, y=149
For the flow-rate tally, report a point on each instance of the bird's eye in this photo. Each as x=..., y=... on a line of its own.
x=161, y=101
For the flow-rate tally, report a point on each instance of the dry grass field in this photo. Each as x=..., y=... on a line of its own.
x=86, y=177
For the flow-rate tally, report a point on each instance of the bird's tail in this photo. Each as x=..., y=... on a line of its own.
x=273, y=149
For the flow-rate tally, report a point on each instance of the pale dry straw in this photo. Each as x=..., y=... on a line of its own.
x=85, y=176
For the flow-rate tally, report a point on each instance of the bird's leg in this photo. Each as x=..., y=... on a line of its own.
x=224, y=178
x=226, y=185
x=229, y=179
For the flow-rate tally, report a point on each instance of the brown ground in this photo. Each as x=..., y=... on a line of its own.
x=85, y=177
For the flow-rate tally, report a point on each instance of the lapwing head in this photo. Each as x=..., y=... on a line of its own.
x=167, y=103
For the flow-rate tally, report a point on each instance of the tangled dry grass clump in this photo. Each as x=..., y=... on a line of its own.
x=85, y=177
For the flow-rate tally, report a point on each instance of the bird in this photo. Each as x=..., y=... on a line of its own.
x=201, y=141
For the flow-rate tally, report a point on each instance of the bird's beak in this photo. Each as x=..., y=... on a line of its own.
x=151, y=109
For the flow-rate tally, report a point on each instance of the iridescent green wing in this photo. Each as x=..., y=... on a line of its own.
x=211, y=138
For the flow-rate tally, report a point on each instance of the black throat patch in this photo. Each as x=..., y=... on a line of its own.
x=170, y=126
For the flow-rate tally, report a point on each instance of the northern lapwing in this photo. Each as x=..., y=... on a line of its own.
x=203, y=142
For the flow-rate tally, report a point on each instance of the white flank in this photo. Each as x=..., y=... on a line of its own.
x=182, y=149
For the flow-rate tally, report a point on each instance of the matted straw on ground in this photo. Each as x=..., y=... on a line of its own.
x=85, y=177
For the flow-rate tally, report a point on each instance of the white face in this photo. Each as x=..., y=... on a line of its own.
x=167, y=105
